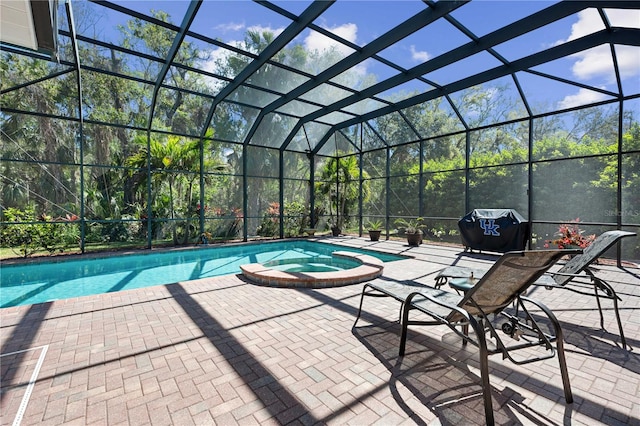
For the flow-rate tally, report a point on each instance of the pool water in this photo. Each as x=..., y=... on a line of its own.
x=39, y=282
x=315, y=264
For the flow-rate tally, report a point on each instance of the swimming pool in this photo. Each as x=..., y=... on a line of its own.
x=38, y=282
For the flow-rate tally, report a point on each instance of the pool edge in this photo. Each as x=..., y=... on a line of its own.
x=370, y=268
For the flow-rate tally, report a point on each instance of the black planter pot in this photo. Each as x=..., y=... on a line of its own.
x=335, y=231
x=374, y=235
x=414, y=239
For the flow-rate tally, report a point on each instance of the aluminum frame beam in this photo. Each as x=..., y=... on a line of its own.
x=309, y=15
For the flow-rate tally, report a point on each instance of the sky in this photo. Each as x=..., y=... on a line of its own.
x=360, y=22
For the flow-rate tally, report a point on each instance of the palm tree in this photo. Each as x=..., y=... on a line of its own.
x=175, y=161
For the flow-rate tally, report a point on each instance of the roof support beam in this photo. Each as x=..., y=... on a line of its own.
x=37, y=80
x=177, y=42
x=308, y=16
x=401, y=31
x=537, y=20
x=530, y=23
x=625, y=36
x=411, y=25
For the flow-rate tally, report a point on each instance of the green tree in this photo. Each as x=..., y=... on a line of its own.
x=340, y=190
x=39, y=138
x=174, y=161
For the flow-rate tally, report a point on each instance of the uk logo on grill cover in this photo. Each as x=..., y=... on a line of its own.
x=490, y=227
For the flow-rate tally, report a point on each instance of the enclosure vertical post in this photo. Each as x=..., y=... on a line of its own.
x=619, y=176
x=467, y=173
x=281, y=198
x=312, y=193
x=83, y=222
x=388, y=188
x=337, y=191
x=202, y=200
x=245, y=191
x=80, y=136
x=361, y=172
x=530, y=181
x=421, y=181
x=361, y=180
x=149, y=192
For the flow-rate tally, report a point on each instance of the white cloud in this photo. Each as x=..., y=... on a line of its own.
x=360, y=69
x=624, y=17
x=419, y=55
x=319, y=42
x=598, y=62
x=583, y=97
x=589, y=22
x=230, y=26
x=592, y=63
x=628, y=60
x=214, y=56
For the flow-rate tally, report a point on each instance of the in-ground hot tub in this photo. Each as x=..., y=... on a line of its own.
x=343, y=268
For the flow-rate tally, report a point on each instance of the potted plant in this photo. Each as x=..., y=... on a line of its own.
x=335, y=229
x=205, y=237
x=412, y=230
x=570, y=236
x=375, y=229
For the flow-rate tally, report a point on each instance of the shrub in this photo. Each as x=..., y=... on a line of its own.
x=269, y=227
x=30, y=233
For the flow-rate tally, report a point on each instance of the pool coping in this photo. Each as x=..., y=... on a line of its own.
x=370, y=268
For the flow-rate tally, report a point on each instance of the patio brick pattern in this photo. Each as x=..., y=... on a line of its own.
x=225, y=351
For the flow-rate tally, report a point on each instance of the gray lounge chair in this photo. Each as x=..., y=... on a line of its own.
x=576, y=275
x=499, y=287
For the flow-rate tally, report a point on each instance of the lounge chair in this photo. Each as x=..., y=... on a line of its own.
x=499, y=287
x=576, y=275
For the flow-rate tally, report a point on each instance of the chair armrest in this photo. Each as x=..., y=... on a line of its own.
x=441, y=303
x=576, y=277
x=564, y=274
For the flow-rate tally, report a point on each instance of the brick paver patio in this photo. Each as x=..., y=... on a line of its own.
x=225, y=351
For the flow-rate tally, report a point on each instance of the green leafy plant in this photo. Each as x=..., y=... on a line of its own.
x=374, y=225
x=411, y=226
x=340, y=187
x=270, y=225
x=375, y=229
x=295, y=219
x=223, y=225
x=412, y=230
x=438, y=232
x=29, y=233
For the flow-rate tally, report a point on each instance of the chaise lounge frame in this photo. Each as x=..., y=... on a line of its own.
x=499, y=288
x=576, y=275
